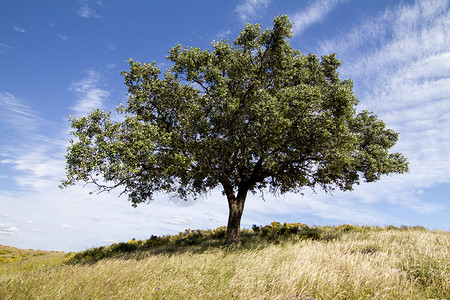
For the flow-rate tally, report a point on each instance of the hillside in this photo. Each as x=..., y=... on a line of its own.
x=290, y=261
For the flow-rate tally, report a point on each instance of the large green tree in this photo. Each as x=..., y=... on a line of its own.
x=253, y=115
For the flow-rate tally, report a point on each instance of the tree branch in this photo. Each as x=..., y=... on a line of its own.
x=227, y=186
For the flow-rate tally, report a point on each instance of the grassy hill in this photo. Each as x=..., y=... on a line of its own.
x=289, y=261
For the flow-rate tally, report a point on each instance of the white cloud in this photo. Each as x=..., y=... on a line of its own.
x=66, y=226
x=87, y=8
x=5, y=48
x=32, y=155
x=17, y=115
x=223, y=34
x=251, y=9
x=403, y=36
x=89, y=95
x=8, y=228
x=314, y=13
x=18, y=28
x=178, y=220
x=62, y=37
x=400, y=63
x=40, y=168
x=36, y=166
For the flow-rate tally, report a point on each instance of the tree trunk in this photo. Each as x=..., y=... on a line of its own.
x=236, y=206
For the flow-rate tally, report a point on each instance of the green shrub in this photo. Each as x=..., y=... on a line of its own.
x=275, y=231
x=219, y=233
x=155, y=241
x=391, y=227
x=310, y=233
x=256, y=228
x=200, y=240
x=348, y=228
x=194, y=238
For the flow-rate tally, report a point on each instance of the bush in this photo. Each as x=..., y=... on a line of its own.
x=256, y=228
x=194, y=238
x=154, y=241
x=203, y=238
x=219, y=233
x=289, y=230
x=391, y=227
x=348, y=228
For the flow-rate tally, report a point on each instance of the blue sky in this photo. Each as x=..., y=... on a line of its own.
x=64, y=57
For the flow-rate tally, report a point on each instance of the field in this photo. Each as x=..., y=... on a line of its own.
x=290, y=261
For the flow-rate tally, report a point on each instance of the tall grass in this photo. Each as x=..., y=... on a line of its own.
x=345, y=262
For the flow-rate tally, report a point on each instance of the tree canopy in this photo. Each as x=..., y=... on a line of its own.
x=248, y=116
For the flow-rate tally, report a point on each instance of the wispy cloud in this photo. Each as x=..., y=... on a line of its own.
x=62, y=37
x=39, y=167
x=400, y=63
x=223, y=34
x=89, y=95
x=19, y=116
x=67, y=226
x=398, y=37
x=18, y=28
x=29, y=152
x=87, y=8
x=249, y=10
x=5, y=48
x=314, y=13
x=8, y=228
x=178, y=220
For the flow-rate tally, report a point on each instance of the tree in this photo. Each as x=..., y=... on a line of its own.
x=255, y=115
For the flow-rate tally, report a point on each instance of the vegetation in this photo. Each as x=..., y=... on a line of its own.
x=249, y=116
x=277, y=261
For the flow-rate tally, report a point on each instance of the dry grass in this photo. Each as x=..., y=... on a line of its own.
x=369, y=264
